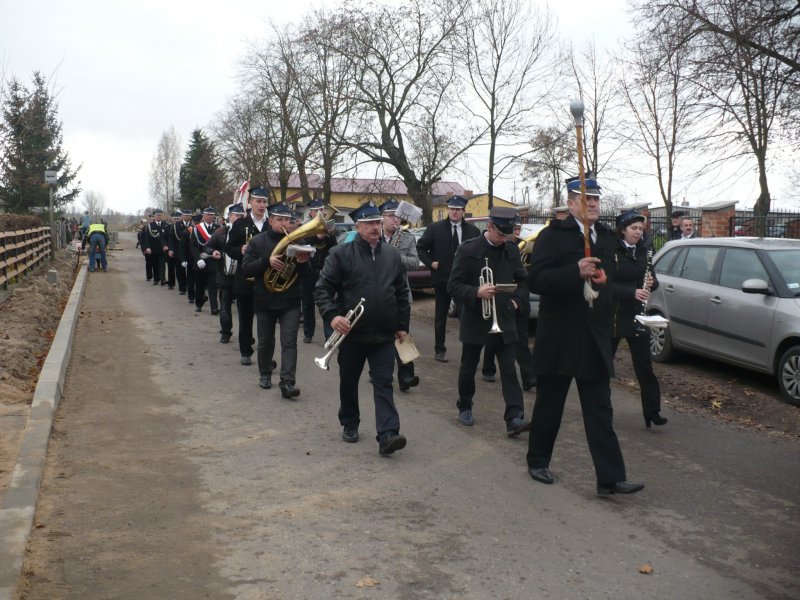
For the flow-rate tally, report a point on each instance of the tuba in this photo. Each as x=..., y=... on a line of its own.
x=280, y=281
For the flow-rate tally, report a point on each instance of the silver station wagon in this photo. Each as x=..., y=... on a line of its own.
x=732, y=299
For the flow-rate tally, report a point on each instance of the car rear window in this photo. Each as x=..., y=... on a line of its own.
x=699, y=263
x=739, y=265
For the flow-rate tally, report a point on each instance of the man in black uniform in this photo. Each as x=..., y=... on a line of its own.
x=242, y=231
x=272, y=306
x=204, y=272
x=436, y=248
x=186, y=255
x=522, y=350
x=370, y=269
x=226, y=270
x=675, y=230
x=154, y=244
x=322, y=242
x=174, y=244
x=170, y=259
x=493, y=250
x=148, y=264
x=573, y=340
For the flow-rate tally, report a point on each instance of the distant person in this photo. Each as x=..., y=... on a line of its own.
x=97, y=239
x=437, y=249
x=86, y=220
x=687, y=229
x=675, y=229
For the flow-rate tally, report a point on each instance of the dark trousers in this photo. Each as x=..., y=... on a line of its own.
x=643, y=367
x=154, y=267
x=266, y=321
x=180, y=275
x=595, y=397
x=352, y=357
x=203, y=280
x=170, y=264
x=404, y=371
x=440, y=318
x=191, y=282
x=522, y=353
x=225, y=312
x=309, y=308
x=512, y=392
x=244, y=307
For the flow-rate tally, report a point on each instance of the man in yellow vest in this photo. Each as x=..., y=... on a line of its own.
x=98, y=239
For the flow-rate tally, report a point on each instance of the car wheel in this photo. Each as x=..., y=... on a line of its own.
x=661, y=349
x=789, y=375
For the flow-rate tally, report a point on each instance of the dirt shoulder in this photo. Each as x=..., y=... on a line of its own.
x=29, y=315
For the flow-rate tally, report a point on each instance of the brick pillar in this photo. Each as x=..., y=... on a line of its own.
x=717, y=219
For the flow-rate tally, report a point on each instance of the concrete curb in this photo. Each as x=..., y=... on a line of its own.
x=19, y=503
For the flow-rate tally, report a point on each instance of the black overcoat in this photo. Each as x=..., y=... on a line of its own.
x=463, y=285
x=256, y=262
x=628, y=277
x=242, y=231
x=571, y=339
x=435, y=246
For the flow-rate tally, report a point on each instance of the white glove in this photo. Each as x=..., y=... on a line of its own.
x=201, y=264
x=184, y=264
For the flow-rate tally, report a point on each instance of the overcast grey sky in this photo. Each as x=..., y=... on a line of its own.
x=127, y=70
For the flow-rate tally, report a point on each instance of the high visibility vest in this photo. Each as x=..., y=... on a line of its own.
x=96, y=228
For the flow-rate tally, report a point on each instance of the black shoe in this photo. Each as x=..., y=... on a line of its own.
x=265, y=382
x=516, y=426
x=440, y=357
x=149, y=278
x=529, y=385
x=163, y=283
x=191, y=300
x=170, y=287
x=620, y=487
x=156, y=282
x=465, y=418
x=182, y=292
x=214, y=311
x=246, y=361
x=541, y=474
x=307, y=340
x=274, y=365
x=488, y=377
x=350, y=434
x=390, y=443
x=655, y=419
x=198, y=309
x=408, y=382
x=225, y=338
x=288, y=390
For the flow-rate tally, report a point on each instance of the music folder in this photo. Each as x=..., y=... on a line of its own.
x=406, y=350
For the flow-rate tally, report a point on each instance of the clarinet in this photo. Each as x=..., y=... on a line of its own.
x=648, y=274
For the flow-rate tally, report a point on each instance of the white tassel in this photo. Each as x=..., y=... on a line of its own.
x=589, y=293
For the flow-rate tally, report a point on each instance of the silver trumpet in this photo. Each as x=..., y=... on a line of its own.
x=488, y=305
x=333, y=342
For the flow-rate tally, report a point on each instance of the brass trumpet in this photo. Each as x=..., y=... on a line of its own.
x=333, y=342
x=488, y=305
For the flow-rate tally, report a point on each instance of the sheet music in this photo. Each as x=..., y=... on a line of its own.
x=406, y=350
x=295, y=248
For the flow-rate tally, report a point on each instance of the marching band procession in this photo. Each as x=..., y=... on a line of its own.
x=279, y=273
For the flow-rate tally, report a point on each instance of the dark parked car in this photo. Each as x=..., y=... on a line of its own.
x=732, y=299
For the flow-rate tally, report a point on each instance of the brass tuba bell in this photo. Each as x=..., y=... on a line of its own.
x=280, y=281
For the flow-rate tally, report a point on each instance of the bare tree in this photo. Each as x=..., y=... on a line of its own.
x=666, y=123
x=165, y=171
x=403, y=65
x=551, y=158
x=510, y=55
x=94, y=202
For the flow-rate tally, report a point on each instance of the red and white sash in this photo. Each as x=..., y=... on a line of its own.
x=203, y=235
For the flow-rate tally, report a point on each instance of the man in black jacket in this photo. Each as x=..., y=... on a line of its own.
x=322, y=243
x=226, y=270
x=493, y=250
x=154, y=245
x=367, y=269
x=573, y=340
x=242, y=231
x=436, y=249
x=205, y=275
x=174, y=240
x=273, y=307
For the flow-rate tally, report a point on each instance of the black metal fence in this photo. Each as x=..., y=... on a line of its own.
x=777, y=224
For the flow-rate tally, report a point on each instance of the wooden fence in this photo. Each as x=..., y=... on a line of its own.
x=22, y=250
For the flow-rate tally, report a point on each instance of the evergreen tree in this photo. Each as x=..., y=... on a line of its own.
x=30, y=143
x=201, y=179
